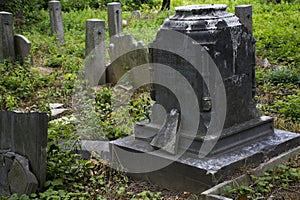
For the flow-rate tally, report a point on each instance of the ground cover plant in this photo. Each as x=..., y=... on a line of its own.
x=56, y=69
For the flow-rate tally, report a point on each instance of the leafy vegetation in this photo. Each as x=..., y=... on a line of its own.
x=285, y=175
x=56, y=71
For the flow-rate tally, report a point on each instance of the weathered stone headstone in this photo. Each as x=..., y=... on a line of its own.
x=114, y=12
x=95, y=51
x=136, y=14
x=244, y=13
x=20, y=179
x=23, y=141
x=7, y=49
x=22, y=47
x=209, y=80
x=125, y=53
x=56, y=20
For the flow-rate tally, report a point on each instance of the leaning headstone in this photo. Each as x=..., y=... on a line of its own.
x=56, y=20
x=95, y=51
x=22, y=47
x=114, y=12
x=125, y=53
x=20, y=179
x=23, y=142
x=7, y=49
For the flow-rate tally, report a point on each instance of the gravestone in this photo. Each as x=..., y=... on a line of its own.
x=114, y=13
x=95, y=52
x=7, y=49
x=136, y=14
x=22, y=47
x=23, y=141
x=204, y=123
x=125, y=53
x=56, y=21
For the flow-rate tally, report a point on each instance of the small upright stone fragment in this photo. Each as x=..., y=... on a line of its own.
x=167, y=137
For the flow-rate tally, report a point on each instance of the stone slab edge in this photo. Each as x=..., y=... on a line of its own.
x=214, y=193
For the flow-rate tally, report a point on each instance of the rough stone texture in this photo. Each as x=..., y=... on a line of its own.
x=15, y=174
x=56, y=21
x=95, y=52
x=189, y=173
x=20, y=179
x=246, y=137
x=7, y=49
x=114, y=12
x=244, y=13
x=125, y=53
x=167, y=137
x=22, y=47
x=26, y=134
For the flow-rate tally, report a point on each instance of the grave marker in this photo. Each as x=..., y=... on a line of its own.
x=114, y=12
x=56, y=20
x=206, y=125
x=22, y=47
x=7, y=49
x=95, y=51
x=23, y=141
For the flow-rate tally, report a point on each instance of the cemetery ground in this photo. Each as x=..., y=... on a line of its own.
x=52, y=80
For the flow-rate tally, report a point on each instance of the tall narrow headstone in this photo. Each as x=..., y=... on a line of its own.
x=95, y=52
x=7, y=50
x=56, y=20
x=114, y=18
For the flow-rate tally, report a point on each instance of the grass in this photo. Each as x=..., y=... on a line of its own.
x=275, y=28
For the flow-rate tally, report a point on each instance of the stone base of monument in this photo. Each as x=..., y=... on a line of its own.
x=191, y=173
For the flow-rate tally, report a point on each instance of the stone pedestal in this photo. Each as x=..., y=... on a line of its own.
x=209, y=82
x=188, y=172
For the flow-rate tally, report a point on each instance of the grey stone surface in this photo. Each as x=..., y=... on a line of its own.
x=7, y=49
x=246, y=138
x=26, y=134
x=244, y=13
x=21, y=180
x=92, y=147
x=114, y=13
x=125, y=54
x=189, y=173
x=167, y=137
x=136, y=14
x=56, y=21
x=15, y=174
x=56, y=105
x=22, y=47
x=95, y=64
x=58, y=112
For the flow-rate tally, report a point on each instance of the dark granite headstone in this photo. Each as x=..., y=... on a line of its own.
x=215, y=54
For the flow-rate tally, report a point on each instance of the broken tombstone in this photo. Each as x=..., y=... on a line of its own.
x=204, y=124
